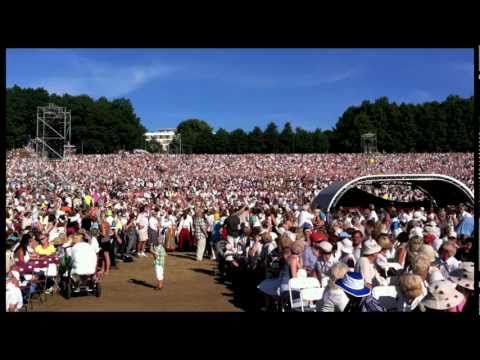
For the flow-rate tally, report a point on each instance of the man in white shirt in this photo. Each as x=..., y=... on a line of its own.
x=373, y=214
x=357, y=239
x=447, y=261
x=305, y=216
x=84, y=259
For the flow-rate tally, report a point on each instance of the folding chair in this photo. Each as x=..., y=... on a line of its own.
x=296, y=284
x=51, y=273
x=308, y=289
x=312, y=293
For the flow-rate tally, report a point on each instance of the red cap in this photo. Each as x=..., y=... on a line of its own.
x=315, y=236
x=429, y=238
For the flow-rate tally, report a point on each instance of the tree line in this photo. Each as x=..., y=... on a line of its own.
x=197, y=136
x=103, y=126
x=446, y=126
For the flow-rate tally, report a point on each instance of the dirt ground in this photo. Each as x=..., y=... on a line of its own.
x=189, y=286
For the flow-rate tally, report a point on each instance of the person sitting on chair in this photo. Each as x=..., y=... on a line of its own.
x=84, y=257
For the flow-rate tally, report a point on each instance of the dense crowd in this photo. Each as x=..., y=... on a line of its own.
x=249, y=213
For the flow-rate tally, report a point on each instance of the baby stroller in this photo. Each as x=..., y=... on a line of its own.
x=83, y=283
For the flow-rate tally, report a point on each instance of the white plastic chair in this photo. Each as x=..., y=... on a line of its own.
x=309, y=289
x=52, y=273
x=313, y=292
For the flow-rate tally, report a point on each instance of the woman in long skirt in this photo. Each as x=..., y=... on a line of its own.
x=170, y=238
x=185, y=240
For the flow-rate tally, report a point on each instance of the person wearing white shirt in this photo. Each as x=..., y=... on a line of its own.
x=143, y=223
x=447, y=261
x=373, y=214
x=153, y=223
x=305, y=217
x=84, y=259
x=325, y=259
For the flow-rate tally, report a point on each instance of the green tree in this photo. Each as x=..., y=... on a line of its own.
x=287, y=139
x=256, y=141
x=238, y=142
x=196, y=136
x=271, y=138
x=154, y=147
x=221, y=141
x=320, y=141
x=303, y=141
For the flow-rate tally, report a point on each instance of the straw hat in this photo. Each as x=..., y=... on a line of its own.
x=325, y=246
x=347, y=246
x=442, y=296
x=370, y=247
x=463, y=276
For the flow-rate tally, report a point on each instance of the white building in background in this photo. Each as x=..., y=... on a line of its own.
x=163, y=136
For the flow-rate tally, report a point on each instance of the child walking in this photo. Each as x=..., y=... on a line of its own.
x=159, y=253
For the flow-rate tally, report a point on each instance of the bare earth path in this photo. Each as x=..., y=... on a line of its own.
x=189, y=286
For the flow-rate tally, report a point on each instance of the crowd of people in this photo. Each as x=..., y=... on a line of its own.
x=249, y=213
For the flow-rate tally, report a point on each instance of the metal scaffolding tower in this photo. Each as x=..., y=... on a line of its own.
x=369, y=143
x=54, y=132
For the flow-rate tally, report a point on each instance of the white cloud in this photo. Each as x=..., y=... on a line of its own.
x=98, y=79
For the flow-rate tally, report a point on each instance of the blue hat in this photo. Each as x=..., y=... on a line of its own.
x=344, y=235
x=353, y=284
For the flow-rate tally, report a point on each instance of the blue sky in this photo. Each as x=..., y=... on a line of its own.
x=234, y=88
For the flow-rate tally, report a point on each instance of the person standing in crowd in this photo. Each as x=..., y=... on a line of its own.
x=200, y=232
x=366, y=264
x=357, y=240
x=105, y=244
x=131, y=235
x=153, y=226
x=325, y=260
x=232, y=224
x=311, y=252
x=169, y=228
x=143, y=226
x=159, y=254
x=185, y=239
